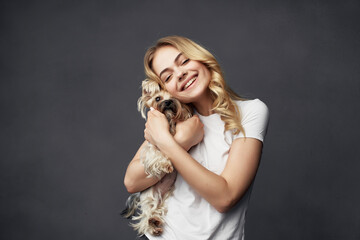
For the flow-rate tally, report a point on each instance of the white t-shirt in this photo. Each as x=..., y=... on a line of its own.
x=191, y=217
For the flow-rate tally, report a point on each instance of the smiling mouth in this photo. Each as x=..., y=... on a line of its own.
x=189, y=83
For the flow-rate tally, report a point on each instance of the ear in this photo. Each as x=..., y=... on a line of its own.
x=187, y=111
x=149, y=86
x=141, y=103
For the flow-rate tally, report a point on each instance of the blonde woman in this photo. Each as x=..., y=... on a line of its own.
x=216, y=152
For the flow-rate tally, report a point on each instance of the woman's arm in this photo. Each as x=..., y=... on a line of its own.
x=188, y=134
x=136, y=179
x=221, y=191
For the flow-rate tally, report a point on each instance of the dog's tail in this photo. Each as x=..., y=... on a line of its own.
x=131, y=205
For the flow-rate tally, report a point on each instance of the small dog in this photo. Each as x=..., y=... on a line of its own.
x=151, y=202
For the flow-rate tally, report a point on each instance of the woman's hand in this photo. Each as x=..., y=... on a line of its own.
x=156, y=128
x=189, y=132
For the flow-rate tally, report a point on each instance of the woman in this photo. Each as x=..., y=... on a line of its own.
x=216, y=152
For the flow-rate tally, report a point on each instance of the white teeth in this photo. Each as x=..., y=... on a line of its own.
x=189, y=83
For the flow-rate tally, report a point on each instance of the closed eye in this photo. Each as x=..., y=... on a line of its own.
x=167, y=78
x=185, y=61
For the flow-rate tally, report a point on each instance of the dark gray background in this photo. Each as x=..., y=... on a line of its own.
x=70, y=79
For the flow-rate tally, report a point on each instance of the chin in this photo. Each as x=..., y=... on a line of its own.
x=194, y=94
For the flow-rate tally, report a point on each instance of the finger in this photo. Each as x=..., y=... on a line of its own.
x=197, y=119
x=146, y=135
x=149, y=113
x=152, y=112
x=155, y=112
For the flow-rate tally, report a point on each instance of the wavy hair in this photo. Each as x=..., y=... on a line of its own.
x=223, y=97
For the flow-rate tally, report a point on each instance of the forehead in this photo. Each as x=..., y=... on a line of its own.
x=163, y=58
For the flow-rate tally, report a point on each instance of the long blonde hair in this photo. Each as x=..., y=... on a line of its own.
x=221, y=94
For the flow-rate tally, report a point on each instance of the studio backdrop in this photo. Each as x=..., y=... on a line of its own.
x=70, y=76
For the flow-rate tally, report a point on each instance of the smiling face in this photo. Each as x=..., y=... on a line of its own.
x=185, y=79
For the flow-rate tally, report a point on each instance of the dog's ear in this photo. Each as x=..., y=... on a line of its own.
x=149, y=88
x=141, y=103
x=186, y=111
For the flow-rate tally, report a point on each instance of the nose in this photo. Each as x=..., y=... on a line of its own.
x=168, y=103
x=180, y=73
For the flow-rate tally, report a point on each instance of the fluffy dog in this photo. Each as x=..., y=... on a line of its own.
x=150, y=203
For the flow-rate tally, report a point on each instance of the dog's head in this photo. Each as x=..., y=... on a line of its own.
x=154, y=96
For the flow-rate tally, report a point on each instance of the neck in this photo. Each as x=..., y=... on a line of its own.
x=204, y=104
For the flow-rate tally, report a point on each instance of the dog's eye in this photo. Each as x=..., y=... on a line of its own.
x=157, y=99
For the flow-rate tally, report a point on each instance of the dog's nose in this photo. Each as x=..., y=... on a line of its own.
x=167, y=103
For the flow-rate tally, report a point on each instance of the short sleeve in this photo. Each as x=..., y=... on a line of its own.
x=254, y=119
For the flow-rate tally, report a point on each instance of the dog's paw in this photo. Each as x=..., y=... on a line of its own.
x=155, y=225
x=168, y=168
x=157, y=231
x=155, y=221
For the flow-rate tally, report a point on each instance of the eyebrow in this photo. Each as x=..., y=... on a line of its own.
x=175, y=60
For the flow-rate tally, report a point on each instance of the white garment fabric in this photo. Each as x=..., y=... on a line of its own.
x=191, y=217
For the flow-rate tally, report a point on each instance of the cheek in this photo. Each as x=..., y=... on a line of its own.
x=206, y=73
x=171, y=88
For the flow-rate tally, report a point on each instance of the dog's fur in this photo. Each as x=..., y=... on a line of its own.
x=151, y=202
